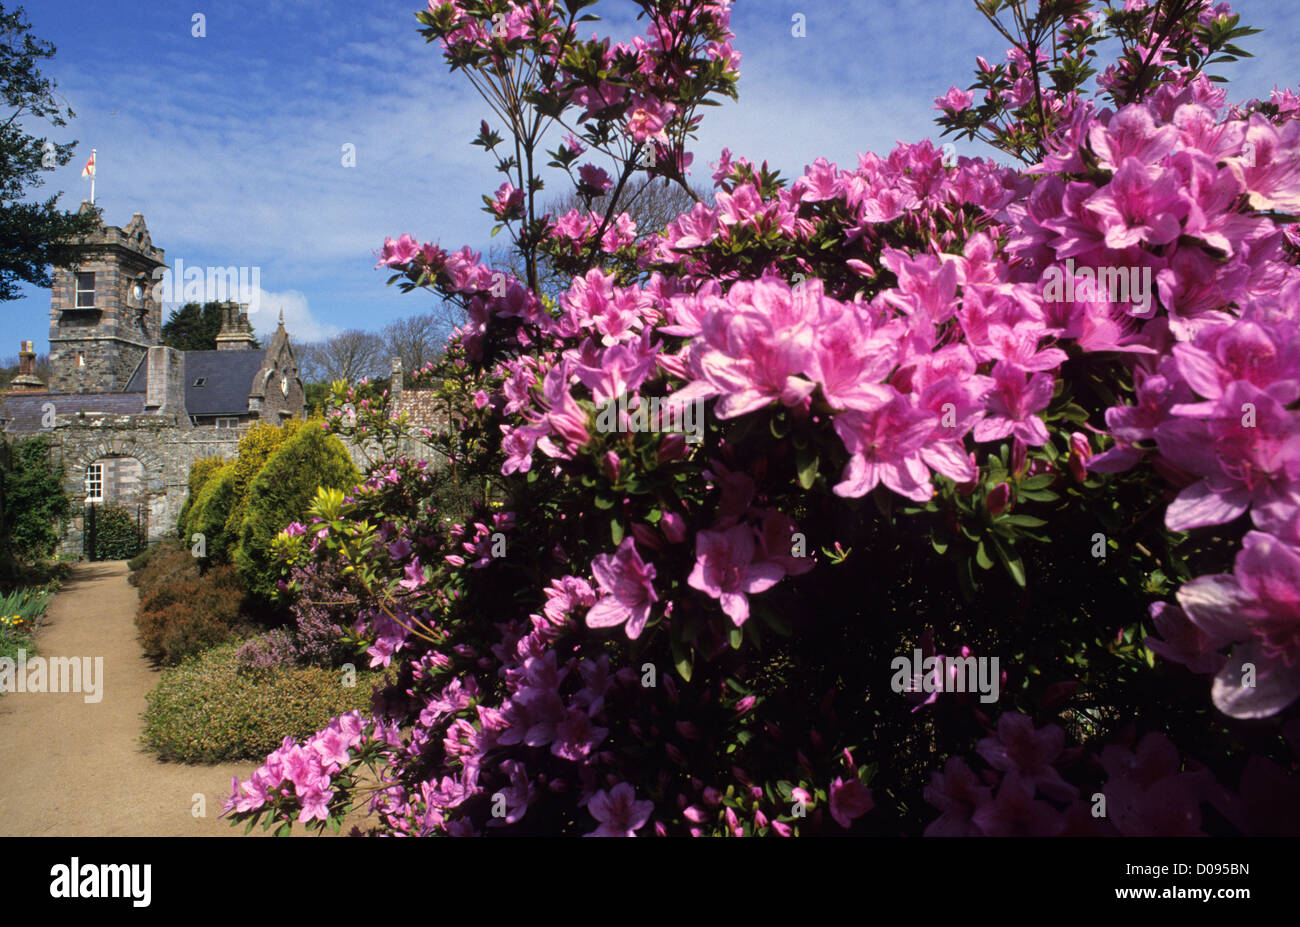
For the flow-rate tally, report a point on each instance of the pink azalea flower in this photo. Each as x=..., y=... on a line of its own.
x=509, y=201
x=647, y=119
x=1140, y=204
x=1182, y=641
x=958, y=793
x=1259, y=605
x=398, y=252
x=414, y=575
x=955, y=100
x=1019, y=747
x=1248, y=453
x=1271, y=171
x=1016, y=813
x=596, y=177
x=619, y=812
x=1012, y=403
x=886, y=447
x=1131, y=133
x=625, y=581
x=849, y=800
x=724, y=569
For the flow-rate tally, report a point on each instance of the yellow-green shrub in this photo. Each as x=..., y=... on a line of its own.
x=255, y=449
x=200, y=472
x=282, y=493
x=210, y=512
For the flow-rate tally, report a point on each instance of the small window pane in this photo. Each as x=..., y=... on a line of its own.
x=85, y=291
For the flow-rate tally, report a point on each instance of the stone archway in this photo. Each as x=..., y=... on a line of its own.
x=113, y=470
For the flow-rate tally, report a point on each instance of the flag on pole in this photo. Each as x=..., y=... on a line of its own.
x=89, y=171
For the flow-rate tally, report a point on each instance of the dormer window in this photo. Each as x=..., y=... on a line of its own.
x=85, y=291
x=201, y=381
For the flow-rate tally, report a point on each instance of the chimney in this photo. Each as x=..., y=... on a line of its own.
x=236, y=331
x=395, y=387
x=165, y=383
x=27, y=381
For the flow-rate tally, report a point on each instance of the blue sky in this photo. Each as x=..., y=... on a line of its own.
x=231, y=144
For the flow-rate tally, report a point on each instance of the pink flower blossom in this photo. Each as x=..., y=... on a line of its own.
x=724, y=569
x=625, y=581
x=619, y=812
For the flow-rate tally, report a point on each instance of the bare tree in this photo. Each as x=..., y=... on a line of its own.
x=350, y=356
x=415, y=340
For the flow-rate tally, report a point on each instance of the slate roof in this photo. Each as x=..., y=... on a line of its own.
x=24, y=411
x=228, y=380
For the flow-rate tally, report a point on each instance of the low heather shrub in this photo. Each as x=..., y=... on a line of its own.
x=206, y=711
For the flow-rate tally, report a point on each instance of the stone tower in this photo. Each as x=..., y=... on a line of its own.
x=103, y=314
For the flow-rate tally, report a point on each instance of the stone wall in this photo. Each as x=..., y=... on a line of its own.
x=165, y=448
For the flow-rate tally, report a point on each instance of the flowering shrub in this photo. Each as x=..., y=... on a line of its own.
x=922, y=405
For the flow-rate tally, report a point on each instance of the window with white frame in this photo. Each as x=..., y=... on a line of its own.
x=227, y=423
x=85, y=291
x=95, y=483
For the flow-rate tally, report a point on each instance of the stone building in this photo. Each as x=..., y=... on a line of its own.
x=126, y=415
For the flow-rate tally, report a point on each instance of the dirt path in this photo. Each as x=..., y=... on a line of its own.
x=72, y=768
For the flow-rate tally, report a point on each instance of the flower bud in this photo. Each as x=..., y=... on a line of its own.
x=1080, y=452
x=998, y=499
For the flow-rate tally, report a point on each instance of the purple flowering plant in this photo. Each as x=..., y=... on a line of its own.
x=908, y=441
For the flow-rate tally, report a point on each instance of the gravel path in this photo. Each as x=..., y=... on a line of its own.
x=72, y=768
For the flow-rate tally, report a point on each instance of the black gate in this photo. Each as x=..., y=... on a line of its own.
x=88, y=532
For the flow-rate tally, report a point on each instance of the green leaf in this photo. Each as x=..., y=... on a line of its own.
x=982, y=556
x=681, y=660
x=807, y=462
x=1024, y=521
x=736, y=637
x=616, y=531
x=1015, y=566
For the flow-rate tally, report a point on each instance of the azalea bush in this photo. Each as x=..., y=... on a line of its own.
x=901, y=409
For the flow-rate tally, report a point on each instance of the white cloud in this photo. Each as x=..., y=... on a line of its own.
x=264, y=313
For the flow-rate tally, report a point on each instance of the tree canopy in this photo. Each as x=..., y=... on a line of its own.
x=33, y=235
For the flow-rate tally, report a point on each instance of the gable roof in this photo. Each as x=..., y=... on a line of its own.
x=227, y=381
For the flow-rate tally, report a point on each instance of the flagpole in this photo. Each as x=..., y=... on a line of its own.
x=92, y=177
